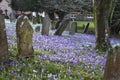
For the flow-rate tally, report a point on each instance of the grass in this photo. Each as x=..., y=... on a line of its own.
x=81, y=23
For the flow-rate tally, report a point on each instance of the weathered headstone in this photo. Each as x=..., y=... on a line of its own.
x=62, y=27
x=73, y=28
x=13, y=16
x=45, y=25
x=24, y=37
x=6, y=15
x=112, y=67
x=37, y=28
x=3, y=41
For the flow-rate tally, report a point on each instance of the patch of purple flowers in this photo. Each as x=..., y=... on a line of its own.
x=78, y=48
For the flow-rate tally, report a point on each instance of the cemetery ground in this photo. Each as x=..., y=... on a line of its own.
x=81, y=25
x=66, y=57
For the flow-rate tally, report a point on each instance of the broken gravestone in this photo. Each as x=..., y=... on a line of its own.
x=3, y=41
x=112, y=67
x=24, y=33
x=73, y=28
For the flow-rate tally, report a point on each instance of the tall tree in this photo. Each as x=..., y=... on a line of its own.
x=102, y=10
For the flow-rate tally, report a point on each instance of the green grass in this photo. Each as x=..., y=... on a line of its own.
x=80, y=26
x=81, y=23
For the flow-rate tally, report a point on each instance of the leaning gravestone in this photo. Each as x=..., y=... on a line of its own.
x=112, y=67
x=73, y=28
x=24, y=33
x=62, y=27
x=3, y=41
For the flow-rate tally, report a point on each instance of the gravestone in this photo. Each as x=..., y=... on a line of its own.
x=37, y=29
x=3, y=41
x=112, y=67
x=45, y=25
x=73, y=28
x=62, y=26
x=24, y=33
x=6, y=15
x=13, y=16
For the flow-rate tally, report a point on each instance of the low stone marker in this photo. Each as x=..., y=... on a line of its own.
x=37, y=29
x=73, y=28
x=24, y=33
x=3, y=41
x=12, y=16
x=45, y=25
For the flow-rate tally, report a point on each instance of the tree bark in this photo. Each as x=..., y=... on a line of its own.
x=3, y=41
x=112, y=67
x=101, y=14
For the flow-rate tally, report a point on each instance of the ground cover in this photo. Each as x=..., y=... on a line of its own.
x=81, y=23
x=56, y=58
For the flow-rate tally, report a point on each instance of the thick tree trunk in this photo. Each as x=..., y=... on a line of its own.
x=3, y=41
x=112, y=67
x=62, y=27
x=101, y=13
x=100, y=29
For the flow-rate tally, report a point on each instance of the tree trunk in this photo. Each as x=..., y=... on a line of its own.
x=101, y=14
x=24, y=32
x=45, y=25
x=3, y=41
x=62, y=27
x=112, y=67
x=58, y=24
x=115, y=28
x=38, y=18
x=53, y=24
